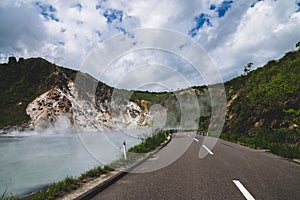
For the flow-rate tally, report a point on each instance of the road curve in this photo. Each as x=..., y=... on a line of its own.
x=230, y=171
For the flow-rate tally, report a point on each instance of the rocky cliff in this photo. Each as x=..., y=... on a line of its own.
x=36, y=94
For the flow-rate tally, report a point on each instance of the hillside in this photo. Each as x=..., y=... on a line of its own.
x=264, y=107
x=35, y=93
x=21, y=82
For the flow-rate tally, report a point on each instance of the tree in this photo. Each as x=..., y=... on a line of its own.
x=247, y=68
x=298, y=45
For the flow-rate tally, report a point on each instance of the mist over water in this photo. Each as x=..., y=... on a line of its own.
x=33, y=159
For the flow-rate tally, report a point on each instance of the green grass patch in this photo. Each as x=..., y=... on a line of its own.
x=150, y=143
x=4, y=196
x=61, y=188
x=282, y=142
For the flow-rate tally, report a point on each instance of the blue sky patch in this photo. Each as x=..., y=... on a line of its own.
x=212, y=7
x=254, y=2
x=223, y=8
x=200, y=21
x=99, y=4
x=48, y=11
x=298, y=4
x=113, y=14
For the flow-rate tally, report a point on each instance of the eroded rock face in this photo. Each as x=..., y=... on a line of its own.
x=86, y=115
x=48, y=107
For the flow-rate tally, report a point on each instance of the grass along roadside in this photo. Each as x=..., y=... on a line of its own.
x=150, y=143
x=69, y=184
x=284, y=143
x=5, y=197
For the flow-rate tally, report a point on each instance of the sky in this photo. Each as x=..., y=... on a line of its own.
x=232, y=33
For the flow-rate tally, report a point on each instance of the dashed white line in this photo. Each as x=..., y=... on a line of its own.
x=207, y=149
x=243, y=190
x=196, y=139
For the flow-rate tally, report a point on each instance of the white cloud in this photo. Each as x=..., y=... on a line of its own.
x=20, y=28
x=149, y=66
x=244, y=34
x=265, y=32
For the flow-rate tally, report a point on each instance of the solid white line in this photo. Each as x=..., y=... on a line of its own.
x=207, y=149
x=196, y=139
x=243, y=190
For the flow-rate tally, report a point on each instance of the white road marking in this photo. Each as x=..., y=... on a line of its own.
x=189, y=135
x=207, y=149
x=243, y=190
x=196, y=139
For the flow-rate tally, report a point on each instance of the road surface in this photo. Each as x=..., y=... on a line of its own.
x=229, y=171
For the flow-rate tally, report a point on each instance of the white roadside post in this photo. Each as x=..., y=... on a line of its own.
x=124, y=150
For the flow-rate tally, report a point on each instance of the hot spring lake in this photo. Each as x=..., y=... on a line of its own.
x=33, y=161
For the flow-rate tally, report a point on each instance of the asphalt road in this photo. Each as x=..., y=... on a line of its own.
x=229, y=171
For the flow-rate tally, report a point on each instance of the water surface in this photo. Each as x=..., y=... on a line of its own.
x=35, y=160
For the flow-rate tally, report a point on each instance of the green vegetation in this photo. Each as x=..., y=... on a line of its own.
x=5, y=197
x=57, y=190
x=264, y=110
x=139, y=150
x=152, y=97
x=278, y=141
x=203, y=123
x=150, y=143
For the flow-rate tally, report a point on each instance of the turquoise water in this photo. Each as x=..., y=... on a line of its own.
x=33, y=161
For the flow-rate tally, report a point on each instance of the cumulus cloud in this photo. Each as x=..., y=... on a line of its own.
x=152, y=69
x=232, y=32
x=21, y=29
x=266, y=31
